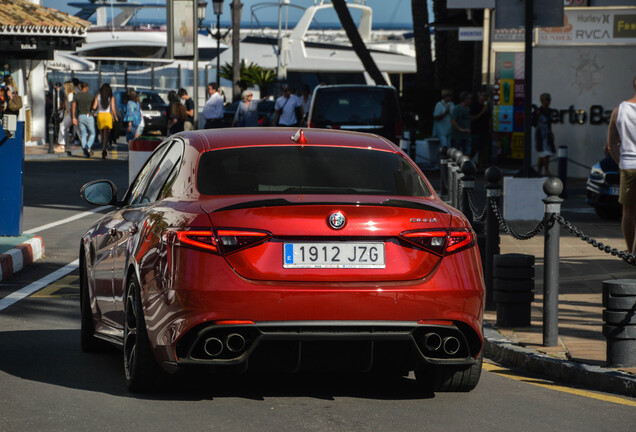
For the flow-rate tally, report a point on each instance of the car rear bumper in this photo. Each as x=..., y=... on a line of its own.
x=601, y=195
x=191, y=307
x=293, y=346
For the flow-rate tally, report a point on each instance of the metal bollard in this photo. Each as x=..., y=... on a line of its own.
x=468, y=185
x=552, y=188
x=562, y=168
x=455, y=173
x=452, y=176
x=443, y=171
x=51, y=132
x=619, y=300
x=493, y=193
x=458, y=181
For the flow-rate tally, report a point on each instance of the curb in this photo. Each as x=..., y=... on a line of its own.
x=20, y=256
x=500, y=349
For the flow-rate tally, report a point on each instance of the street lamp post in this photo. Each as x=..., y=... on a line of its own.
x=199, y=7
x=218, y=10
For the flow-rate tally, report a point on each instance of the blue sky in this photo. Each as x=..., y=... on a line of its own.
x=395, y=12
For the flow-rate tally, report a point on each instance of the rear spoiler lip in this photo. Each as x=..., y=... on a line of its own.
x=281, y=202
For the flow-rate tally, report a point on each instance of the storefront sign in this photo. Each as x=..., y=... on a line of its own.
x=471, y=34
x=590, y=26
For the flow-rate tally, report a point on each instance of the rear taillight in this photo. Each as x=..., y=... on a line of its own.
x=224, y=241
x=233, y=240
x=198, y=239
x=311, y=124
x=441, y=242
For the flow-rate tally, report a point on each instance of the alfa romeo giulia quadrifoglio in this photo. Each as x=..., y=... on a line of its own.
x=282, y=250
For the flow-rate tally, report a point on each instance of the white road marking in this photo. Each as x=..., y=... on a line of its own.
x=36, y=286
x=67, y=220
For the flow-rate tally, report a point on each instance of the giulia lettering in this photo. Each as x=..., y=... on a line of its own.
x=423, y=220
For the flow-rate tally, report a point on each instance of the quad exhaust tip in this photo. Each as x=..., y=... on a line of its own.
x=235, y=342
x=213, y=347
x=434, y=342
x=451, y=345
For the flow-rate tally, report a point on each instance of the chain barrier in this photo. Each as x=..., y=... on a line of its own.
x=508, y=229
x=473, y=209
x=625, y=256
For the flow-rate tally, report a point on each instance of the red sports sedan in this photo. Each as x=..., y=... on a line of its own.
x=277, y=249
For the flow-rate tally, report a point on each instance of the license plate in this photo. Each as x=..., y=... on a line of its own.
x=152, y=113
x=614, y=190
x=333, y=255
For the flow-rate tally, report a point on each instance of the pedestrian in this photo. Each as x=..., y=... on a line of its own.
x=285, y=109
x=460, y=121
x=480, y=121
x=442, y=118
x=189, y=106
x=104, y=105
x=213, y=109
x=83, y=119
x=622, y=130
x=76, y=85
x=543, y=136
x=247, y=111
x=133, y=119
x=65, y=136
x=178, y=114
x=12, y=100
x=58, y=109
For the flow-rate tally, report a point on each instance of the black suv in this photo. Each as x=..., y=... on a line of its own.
x=360, y=108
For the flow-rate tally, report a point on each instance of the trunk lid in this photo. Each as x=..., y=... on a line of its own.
x=301, y=225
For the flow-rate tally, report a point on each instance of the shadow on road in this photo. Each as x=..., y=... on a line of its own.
x=54, y=357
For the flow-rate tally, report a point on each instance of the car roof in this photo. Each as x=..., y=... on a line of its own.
x=214, y=139
x=353, y=86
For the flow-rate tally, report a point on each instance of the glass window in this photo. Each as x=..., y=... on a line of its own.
x=362, y=106
x=307, y=170
x=136, y=190
x=167, y=166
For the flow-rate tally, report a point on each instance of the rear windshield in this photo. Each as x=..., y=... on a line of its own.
x=307, y=170
x=368, y=106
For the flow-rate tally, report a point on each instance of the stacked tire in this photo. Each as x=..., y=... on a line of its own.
x=619, y=300
x=513, y=286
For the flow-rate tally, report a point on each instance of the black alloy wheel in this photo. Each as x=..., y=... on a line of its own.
x=140, y=367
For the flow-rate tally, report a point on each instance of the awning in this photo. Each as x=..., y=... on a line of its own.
x=66, y=61
x=30, y=31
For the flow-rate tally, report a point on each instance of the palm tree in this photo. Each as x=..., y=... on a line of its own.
x=423, y=100
x=357, y=43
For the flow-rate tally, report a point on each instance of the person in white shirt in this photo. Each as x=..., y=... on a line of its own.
x=213, y=109
x=622, y=130
x=285, y=108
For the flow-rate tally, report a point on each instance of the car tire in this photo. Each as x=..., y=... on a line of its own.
x=449, y=378
x=140, y=368
x=88, y=341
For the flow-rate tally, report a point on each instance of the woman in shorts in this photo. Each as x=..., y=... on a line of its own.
x=104, y=105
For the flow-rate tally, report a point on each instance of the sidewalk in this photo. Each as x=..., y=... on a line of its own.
x=39, y=152
x=580, y=357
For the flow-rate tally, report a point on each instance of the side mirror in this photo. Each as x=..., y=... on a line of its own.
x=99, y=192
